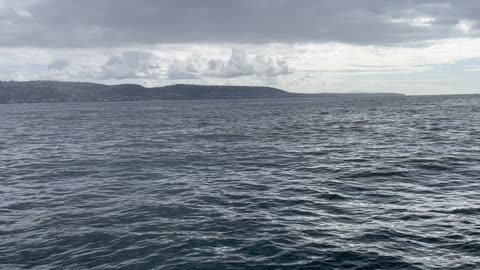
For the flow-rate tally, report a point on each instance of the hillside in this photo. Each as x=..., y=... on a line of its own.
x=53, y=91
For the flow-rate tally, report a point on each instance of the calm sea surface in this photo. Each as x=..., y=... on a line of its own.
x=328, y=183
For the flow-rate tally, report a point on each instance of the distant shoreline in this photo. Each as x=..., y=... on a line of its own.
x=12, y=92
x=21, y=92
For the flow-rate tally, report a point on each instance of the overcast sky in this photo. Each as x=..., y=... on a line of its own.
x=409, y=46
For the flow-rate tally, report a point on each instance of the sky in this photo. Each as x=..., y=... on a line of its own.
x=404, y=46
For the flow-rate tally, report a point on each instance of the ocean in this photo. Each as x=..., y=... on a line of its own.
x=352, y=182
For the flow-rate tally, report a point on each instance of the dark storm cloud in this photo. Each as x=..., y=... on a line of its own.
x=90, y=23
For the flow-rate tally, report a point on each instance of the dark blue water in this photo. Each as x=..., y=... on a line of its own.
x=332, y=183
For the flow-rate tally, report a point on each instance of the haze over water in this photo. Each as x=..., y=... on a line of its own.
x=326, y=183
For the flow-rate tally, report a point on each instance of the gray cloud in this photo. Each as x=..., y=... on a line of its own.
x=239, y=64
x=185, y=69
x=58, y=64
x=93, y=23
x=130, y=65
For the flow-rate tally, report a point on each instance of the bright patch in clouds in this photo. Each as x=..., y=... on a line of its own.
x=423, y=21
x=465, y=26
x=416, y=22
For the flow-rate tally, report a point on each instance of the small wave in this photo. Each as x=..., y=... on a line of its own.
x=377, y=183
x=377, y=173
x=463, y=211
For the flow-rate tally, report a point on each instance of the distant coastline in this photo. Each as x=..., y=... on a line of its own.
x=59, y=91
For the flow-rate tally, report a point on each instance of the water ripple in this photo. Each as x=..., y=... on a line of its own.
x=333, y=183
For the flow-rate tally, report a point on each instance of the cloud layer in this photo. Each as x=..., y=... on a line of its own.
x=93, y=23
x=410, y=46
x=239, y=64
x=130, y=65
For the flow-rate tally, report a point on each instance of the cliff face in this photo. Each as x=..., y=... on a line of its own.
x=50, y=91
